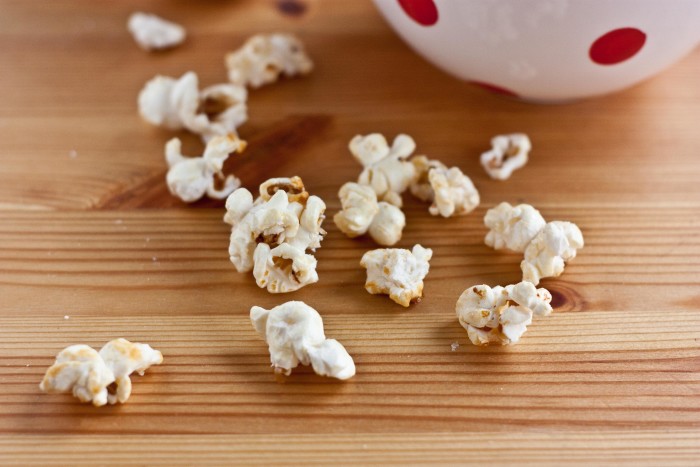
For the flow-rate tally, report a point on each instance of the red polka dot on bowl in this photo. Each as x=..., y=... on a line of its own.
x=423, y=12
x=617, y=46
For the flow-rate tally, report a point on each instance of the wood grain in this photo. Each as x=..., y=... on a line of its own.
x=93, y=247
x=424, y=448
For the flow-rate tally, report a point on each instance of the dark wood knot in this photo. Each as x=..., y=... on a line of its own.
x=291, y=7
x=565, y=297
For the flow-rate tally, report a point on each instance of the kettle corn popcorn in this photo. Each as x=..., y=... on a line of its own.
x=508, y=153
x=91, y=376
x=546, y=245
x=450, y=190
x=177, y=103
x=501, y=314
x=397, y=272
x=154, y=33
x=453, y=192
x=386, y=169
x=550, y=249
x=361, y=213
x=265, y=57
x=272, y=234
x=80, y=370
x=512, y=227
x=294, y=334
x=190, y=178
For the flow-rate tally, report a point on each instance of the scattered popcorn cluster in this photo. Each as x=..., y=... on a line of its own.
x=99, y=377
x=276, y=234
x=501, y=315
x=373, y=204
x=546, y=245
x=215, y=111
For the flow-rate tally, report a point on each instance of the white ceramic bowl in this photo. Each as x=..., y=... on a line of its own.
x=548, y=50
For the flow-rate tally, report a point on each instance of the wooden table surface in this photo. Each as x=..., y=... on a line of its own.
x=92, y=247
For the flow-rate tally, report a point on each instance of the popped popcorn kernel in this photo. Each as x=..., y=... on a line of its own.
x=273, y=234
x=361, y=213
x=91, y=375
x=190, y=178
x=508, y=153
x=512, y=227
x=265, y=57
x=294, y=334
x=80, y=370
x=397, y=272
x=152, y=32
x=547, y=253
x=177, y=103
x=386, y=169
x=501, y=315
x=454, y=192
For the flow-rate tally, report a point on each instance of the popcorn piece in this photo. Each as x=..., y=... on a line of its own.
x=547, y=252
x=264, y=57
x=190, y=178
x=80, y=369
x=269, y=222
x=154, y=33
x=512, y=227
x=508, y=153
x=385, y=169
x=90, y=375
x=294, y=334
x=397, y=272
x=272, y=234
x=361, y=214
x=175, y=104
x=387, y=226
x=501, y=315
x=123, y=358
x=455, y=193
x=451, y=192
x=284, y=268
